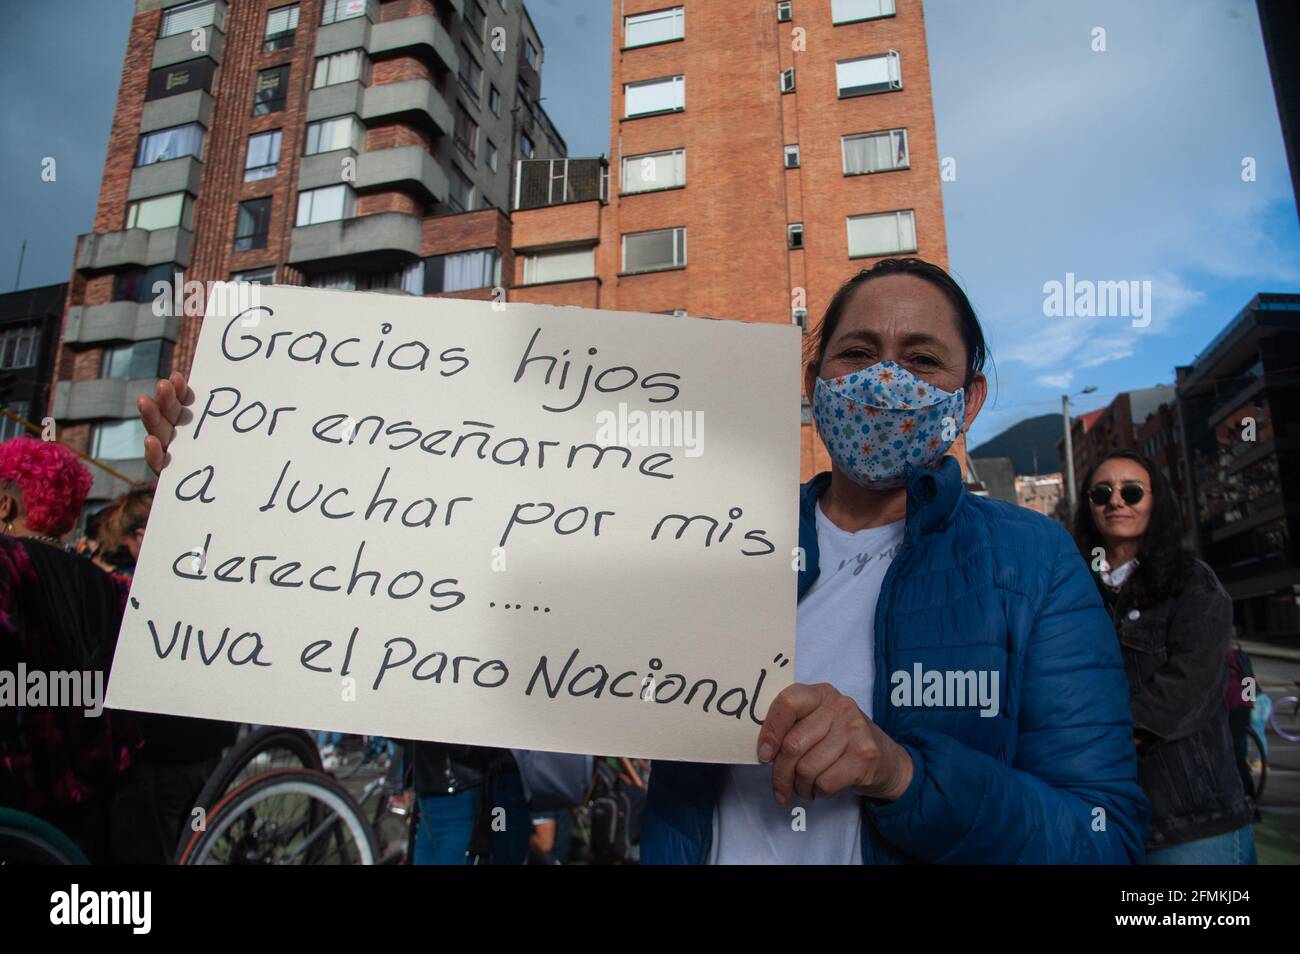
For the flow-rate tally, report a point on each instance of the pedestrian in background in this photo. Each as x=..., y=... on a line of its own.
x=1174, y=621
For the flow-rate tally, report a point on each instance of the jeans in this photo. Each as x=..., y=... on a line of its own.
x=1232, y=848
x=447, y=824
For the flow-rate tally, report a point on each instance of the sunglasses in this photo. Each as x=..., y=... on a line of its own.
x=1131, y=493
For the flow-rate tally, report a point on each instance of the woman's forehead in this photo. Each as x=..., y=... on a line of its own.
x=1122, y=468
x=894, y=306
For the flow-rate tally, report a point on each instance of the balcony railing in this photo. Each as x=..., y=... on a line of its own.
x=543, y=182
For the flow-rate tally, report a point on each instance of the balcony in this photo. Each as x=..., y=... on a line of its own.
x=423, y=33
x=403, y=167
x=164, y=178
x=170, y=50
x=383, y=237
x=414, y=100
x=545, y=182
x=346, y=34
x=192, y=107
x=100, y=251
x=116, y=323
x=337, y=100
x=99, y=398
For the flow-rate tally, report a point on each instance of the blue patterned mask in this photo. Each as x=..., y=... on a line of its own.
x=877, y=422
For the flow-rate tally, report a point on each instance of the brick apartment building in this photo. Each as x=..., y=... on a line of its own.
x=1117, y=426
x=762, y=154
x=365, y=144
x=29, y=331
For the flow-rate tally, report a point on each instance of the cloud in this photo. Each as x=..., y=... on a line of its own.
x=1060, y=381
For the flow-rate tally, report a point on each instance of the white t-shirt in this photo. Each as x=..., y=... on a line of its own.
x=834, y=643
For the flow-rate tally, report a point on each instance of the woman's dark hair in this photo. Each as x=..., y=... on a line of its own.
x=1163, y=561
x=971, y=332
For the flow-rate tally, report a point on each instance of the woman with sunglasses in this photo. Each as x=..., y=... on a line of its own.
x=1174, y=622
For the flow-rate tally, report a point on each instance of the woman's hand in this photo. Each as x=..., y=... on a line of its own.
x=160, y=414
x=820, y=743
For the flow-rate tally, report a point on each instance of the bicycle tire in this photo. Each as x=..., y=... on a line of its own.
x=28, y=840
x=298, y=744
x=291, y=781
x=1290, y=729
x=1253, y=737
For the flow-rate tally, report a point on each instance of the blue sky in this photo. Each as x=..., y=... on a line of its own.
x=1116, y=165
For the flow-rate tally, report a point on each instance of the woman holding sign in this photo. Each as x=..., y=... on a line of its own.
x=959, y=694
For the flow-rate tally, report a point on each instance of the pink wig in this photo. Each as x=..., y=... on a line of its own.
x=53, y=481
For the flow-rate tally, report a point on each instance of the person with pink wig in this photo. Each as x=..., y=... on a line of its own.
x=59, y=613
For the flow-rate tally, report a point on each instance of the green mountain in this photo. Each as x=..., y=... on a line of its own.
x=1020, y=441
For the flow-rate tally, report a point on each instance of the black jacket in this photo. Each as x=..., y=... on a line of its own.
x=443, y=769
x=1175, y=656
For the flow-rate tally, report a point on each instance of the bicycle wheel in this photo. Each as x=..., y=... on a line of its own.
x=28, y=840
x=1285, y=718
x=1256, y=762
x=284, y=817
x=263, y=750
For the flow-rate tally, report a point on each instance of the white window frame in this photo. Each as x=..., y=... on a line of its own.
x=840, y=10
x=896, y=137
x=792, y=152
x=677, y=170
x=291, y=13
x=355, y=139
x=583, y=259
x=184, y=199
x=787, y=80
x=893, y=70
x=794, y=235
x=170, y=131
x=676, y=26
x=900, y=215
x=185, y=17
x=490, y=154
x=358, y=7
x=332, y=68
x=678, y=85
x=309, y=199
x=678, y=232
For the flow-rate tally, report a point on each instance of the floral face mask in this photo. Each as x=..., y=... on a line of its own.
x=878, y=422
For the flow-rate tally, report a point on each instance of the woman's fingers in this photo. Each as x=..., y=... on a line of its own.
x=154, y=455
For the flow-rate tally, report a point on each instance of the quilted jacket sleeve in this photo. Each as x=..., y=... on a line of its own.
x=1072, y=795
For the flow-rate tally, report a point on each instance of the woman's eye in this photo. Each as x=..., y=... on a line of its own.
x=925, y=360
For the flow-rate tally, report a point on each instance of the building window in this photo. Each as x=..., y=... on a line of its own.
x=344, y=132
x=490, y=154
x=470, y=73
x=655, y=170
x=869, y=74
x=494, y=99
x=138, y=284
x=851, y=11
x=271, y=91
x=526, y=148
x=792, y=157
x=173, y=143
x=18, y=347
x=255, y=276
x=794, y=235
x=531, y=56
x=9, y=428
x=181, y=78
x=462, y=271
x=335, y=10
x=654, y=96
x=784, y=12
x=346, y=67
x=460, y=196
x=253, y=224
x=162, y=212
x=475, y=20
x=187, y=17
x=883, y=233
x=559, y=266
x=787, y=80
x=280, y=26
x=263, y=155
x=141, y=359
x=875, y=152
x=326, y=205
x=466, y=132
x=654, y=251
x=658, y=27
x=407, y=278
x=118, y=440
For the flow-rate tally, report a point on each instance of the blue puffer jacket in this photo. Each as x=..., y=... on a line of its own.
x=1052, y=779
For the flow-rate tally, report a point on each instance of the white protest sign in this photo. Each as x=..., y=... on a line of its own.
x=520, y=526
